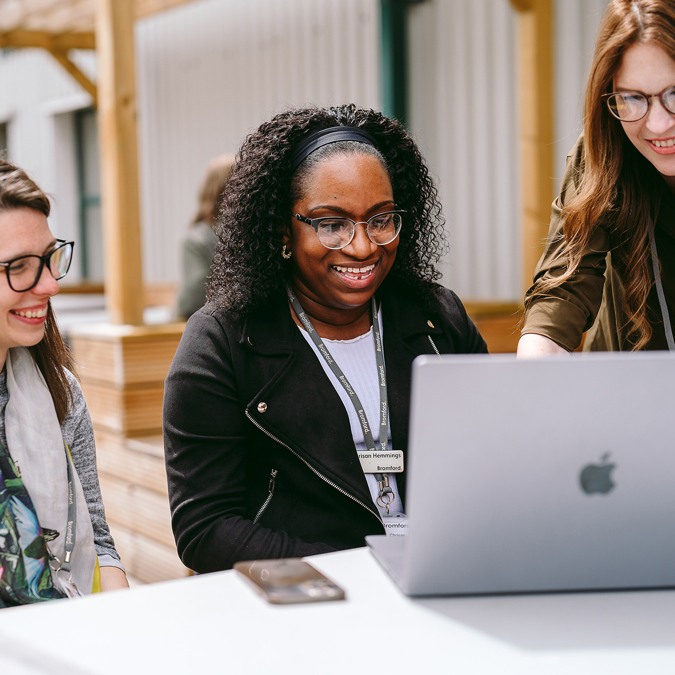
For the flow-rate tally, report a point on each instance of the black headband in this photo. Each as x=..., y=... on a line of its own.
x=326, y=136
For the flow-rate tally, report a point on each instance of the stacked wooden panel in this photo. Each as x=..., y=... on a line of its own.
x=498, y=322
x=122, y=371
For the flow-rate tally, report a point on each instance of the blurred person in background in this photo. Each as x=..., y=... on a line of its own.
x=323, y=291
x=200, y=244
x=54, y=539
x=609, y=264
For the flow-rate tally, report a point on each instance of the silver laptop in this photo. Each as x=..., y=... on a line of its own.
x=542, y=475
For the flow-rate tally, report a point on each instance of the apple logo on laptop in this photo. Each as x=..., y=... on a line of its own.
x=596, y=477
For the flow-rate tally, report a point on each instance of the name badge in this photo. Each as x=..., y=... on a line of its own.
x=396, y=525
x=378, y=461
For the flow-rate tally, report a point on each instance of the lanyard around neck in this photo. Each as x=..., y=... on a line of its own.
x=72, y=518
x=665, y=315
x=66, y=586
x=65, y=582
x=385, y=493
x=342, y=379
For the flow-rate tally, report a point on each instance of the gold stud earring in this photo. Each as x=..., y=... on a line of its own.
x=285, y=254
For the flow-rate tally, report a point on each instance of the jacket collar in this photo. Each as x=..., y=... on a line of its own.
x=270, y=334
x=404, y=313
x=269, y=329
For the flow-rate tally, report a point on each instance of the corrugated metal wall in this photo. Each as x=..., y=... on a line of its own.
x=33, y=86
x=577, y=23
x=210, y=72
x=37, y=98
x=463, y=113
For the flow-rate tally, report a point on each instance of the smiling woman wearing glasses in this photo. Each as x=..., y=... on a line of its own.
x=54, y=540
x=286, y=406
x=609, y=265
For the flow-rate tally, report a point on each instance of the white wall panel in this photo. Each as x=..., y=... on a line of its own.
x=577, y=23
x=211, y=71
x=463, y=113
x=34, y=89
x=65, y=219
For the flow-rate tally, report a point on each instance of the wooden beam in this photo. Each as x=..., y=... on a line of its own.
x=119, y=160
x=78, y=75
x=58, y=45
x=147, y=7
x=19, y=38
x=523, y=5
x=67, y=16
x=84, y=288
x=68, y=41
x=535, y=68
x=483, y=308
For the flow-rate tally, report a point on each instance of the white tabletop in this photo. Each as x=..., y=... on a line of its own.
x=216, y=623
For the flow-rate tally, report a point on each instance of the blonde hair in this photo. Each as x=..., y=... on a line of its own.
x=218, y=170
x=617, y=183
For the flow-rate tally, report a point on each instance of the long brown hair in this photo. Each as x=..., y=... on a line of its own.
x=51, y=355
x=617, y=183
x=218, y=170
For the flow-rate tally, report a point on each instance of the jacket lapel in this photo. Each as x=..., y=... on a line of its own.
x=297, y=403
x=299, y=406
x=405, y=322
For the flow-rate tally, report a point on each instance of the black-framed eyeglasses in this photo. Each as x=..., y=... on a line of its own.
x=631, y=106
x=24, y=272
x=337, y=233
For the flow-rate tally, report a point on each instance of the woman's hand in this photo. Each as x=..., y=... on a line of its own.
x=532, y=346
x=112, y=579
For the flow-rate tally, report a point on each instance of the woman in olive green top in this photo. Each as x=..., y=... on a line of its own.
x=609, y=265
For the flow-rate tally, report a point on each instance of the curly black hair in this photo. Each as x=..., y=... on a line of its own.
x=256, y=207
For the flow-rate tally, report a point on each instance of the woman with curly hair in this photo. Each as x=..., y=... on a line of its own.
x=295, y=377
x=609, y=265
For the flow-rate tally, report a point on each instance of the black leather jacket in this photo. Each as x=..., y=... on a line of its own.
x=259, y=452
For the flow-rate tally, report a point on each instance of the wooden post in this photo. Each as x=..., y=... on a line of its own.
x=119, y=160
x=535, y=68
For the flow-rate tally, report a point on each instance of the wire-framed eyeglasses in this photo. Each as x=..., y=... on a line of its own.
x=24, y=272
x=631, y=106
x=337, y=233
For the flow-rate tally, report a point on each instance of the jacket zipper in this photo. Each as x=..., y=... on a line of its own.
x=258, y=515
x=309, y=466
x=435, y=347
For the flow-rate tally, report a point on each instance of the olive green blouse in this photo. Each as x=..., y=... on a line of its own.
x=592, y=300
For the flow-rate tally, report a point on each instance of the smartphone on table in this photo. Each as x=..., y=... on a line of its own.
x=287, y=581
